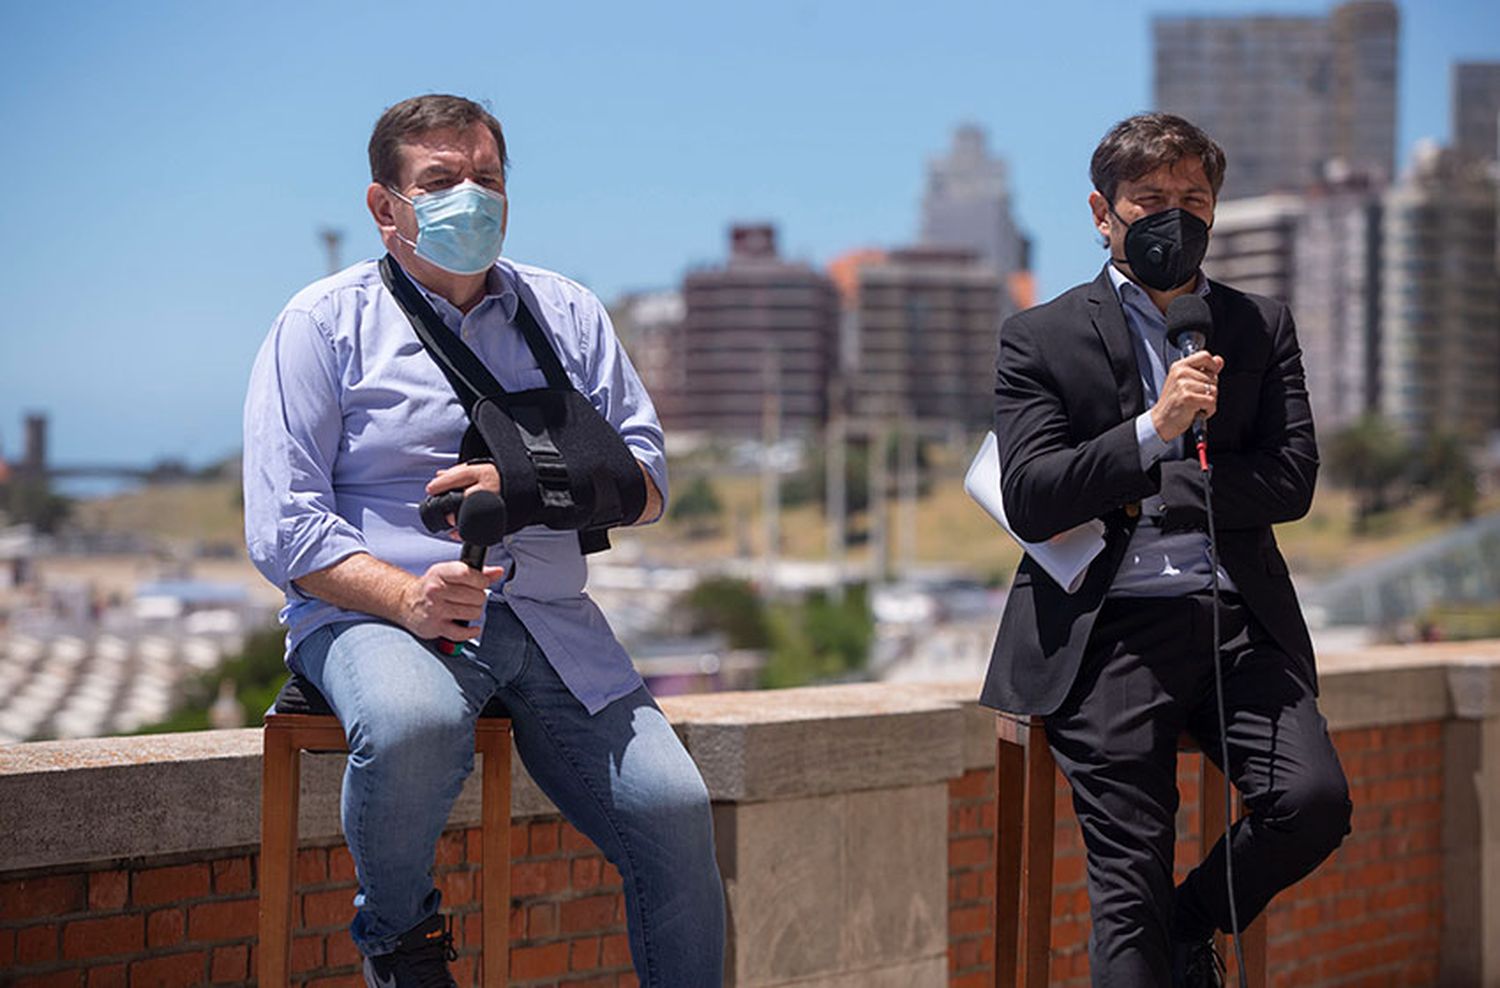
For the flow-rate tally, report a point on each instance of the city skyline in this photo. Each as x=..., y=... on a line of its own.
x=227, y=140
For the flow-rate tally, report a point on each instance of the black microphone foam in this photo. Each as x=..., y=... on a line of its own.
x=1190, y=324
x=481, y=523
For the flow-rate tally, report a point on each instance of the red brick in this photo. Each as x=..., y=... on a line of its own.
x=341, y=865
x=312, y=866
x=339, y=950
x=231, y=876
x=450, y=849
x=108, y=891
x=587, y=872
x=546, y=961
x=965, y=851
x=628, y=980
x=43, y=897
x=458, y=888
x=36, y=945
x=109, y=976
x=164, y=928
x=544, y=838
x=530, y=878
x=171, y=971
x=614, y=950
x=307, y=953
x=104, y=937
x=230, y=963
x=541, y=921
x=333, y=907
x=583, y=954
x=54, y=979
x=159, y=886
x=7, y=949
x=970, y=919
x=338, y=981
x=572, y=840
x=234, y=919
x=597, y=912
x=464, y=969
x=972, y=784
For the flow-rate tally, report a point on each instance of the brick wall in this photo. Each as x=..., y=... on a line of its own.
x=146, y=924
x=1372, y=914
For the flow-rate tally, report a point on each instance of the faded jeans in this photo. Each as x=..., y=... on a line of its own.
x=620, y=776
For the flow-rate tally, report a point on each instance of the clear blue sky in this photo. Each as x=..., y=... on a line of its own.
x=171, y=163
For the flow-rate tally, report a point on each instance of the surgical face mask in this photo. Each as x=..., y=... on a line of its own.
x=460, y=229
x=1164, y=250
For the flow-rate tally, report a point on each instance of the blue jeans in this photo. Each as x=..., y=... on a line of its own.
x=620, y=776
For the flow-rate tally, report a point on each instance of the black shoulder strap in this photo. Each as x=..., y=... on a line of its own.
x=469, y=378
x=541, y=348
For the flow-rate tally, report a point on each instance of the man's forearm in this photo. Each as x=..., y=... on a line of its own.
x=363, y=583
x=653, y=499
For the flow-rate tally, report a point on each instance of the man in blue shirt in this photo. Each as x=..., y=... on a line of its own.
x=1093, y=410
x=349, y=424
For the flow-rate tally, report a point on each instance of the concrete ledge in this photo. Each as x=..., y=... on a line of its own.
x=105, y=799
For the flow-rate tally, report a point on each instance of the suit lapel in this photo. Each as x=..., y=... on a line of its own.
x=1109, y=323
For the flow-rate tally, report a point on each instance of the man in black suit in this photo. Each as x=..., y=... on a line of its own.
x=1093, y=409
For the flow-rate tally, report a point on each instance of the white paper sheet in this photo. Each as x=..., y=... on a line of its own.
x=1064, y=557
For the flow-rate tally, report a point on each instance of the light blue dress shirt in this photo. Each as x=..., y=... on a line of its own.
x=347, y=418
x=1157, y=563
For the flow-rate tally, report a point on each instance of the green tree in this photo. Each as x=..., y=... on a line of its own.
x=819, y=638
x=731, y=607
x=1446, y=469
x=257, y=673
x=1370, y=458
x=698, y=508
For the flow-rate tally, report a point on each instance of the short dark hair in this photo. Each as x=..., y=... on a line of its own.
x=1141, y=144
x=421, y=115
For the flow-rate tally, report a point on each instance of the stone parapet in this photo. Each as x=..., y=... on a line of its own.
x=852, y=833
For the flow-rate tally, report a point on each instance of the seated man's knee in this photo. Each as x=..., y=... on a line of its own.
x=1318, y=810
x=412, y=729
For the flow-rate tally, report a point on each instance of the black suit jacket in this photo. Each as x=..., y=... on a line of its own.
x=1067, y=392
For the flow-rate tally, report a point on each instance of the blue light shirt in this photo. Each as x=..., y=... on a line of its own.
x=347, y=418
x=1157, y=563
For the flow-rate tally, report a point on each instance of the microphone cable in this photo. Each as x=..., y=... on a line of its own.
x=1213, y=557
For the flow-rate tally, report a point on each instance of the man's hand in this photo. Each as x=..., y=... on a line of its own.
x=441, y=602
x=466, y=477
x=1191, y=387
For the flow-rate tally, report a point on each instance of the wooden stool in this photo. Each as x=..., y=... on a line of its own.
x=1024, y=832
x=303, y=721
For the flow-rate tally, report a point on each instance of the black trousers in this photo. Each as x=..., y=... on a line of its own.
x=1148, y=676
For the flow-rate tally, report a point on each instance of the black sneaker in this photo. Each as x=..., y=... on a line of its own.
x=420, y=959
x=1196, y=964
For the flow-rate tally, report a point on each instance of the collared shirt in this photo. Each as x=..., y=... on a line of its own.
x=1157, y=563
x=347, y=418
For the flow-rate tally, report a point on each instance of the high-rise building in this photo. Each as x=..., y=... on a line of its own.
x=1285, y=95
x=758, y=328
x=1476, y=110
x=649, y=325
x=1320, y=253
x=967, y=204
x=1440, y=325
x=1252, y=246
x=926, y=324
x=1337, y=285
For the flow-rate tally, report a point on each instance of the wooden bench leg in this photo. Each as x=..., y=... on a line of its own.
x=1010, y=766
x=280, y=790
x=495, y=854
x=1036, y=858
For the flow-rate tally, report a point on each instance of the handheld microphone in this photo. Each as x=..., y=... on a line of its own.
x=1190, y=324
x=481, y=523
